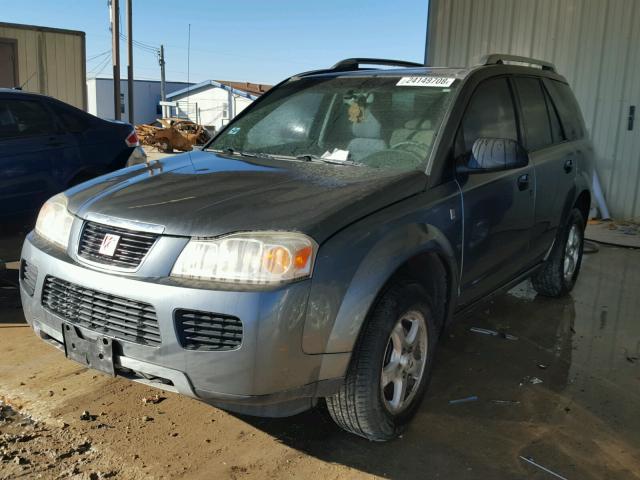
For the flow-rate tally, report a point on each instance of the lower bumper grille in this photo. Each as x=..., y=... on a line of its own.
x=207, y=331
x=29, y=276
x=107, y=314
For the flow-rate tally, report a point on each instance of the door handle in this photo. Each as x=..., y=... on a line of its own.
x=568, y=165
x=523, y=181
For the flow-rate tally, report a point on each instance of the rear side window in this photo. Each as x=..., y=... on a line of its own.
x=24, y=118
x=568, y=108
x=490, y=114
x=534, y=112
x=554, y=120
x=72, y=121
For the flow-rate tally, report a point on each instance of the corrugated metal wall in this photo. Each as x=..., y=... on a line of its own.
x=50, y=61
x=595, y=44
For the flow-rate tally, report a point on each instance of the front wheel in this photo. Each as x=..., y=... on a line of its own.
x=390, y=367
x=560, y=271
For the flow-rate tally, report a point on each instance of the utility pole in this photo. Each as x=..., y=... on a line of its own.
x=130, y=59
x=115, y=55
x=163, y=88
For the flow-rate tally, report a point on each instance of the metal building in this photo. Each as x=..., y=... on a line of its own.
x=595, y=44
x=44, y=60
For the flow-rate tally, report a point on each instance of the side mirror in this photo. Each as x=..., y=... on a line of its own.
x=493, y=154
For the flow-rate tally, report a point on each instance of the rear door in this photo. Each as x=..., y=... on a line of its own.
x=552, y=157
x=498, y=205
x=32, y=150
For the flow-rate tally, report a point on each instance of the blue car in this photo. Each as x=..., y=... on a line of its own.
x=47, y=146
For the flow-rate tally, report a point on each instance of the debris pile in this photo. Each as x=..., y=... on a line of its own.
x=169, y=134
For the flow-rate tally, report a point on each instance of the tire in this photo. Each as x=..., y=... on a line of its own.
x=553, y=280
x=362, y=406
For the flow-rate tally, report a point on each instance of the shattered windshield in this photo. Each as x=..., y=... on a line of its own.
x=380, y=122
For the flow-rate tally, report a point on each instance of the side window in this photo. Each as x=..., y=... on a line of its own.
x=554, y=120
x=289, y=122
x=8, y=125
x=568, y=108
x=490, y=114
x=30, y=117
x=534, y=112
x=73, y=122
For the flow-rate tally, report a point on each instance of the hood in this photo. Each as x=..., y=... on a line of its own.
x=203, y=194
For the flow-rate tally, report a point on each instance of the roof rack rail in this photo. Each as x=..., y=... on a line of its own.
x=500, y=58
x=354, y=63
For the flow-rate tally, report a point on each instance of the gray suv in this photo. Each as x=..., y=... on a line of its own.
x=319, y=245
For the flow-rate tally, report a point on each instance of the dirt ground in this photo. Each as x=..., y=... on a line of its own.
x=59, y=420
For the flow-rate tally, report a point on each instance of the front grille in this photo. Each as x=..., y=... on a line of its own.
x=131, y=248
x=107, y=314
x=207, y=331
x=28, y=275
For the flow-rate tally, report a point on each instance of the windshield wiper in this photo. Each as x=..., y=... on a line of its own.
x=314, y=158
x=232, y=151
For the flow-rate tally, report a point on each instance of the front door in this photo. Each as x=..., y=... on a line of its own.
x=498, y=205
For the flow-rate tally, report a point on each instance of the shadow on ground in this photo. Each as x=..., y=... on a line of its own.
x=579, y=422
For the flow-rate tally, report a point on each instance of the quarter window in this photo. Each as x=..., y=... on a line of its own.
x=490, y=114
x=534, y=112
x=567, y=108
x=554, y=120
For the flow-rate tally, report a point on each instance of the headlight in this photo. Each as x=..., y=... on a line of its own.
x=263, y=258
x=54, y=221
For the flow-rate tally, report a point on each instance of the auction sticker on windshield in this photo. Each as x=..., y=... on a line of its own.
x=425, y=81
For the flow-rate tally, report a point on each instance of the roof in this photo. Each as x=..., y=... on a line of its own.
x=41, y=29
x=242, y=89
x=253, y=88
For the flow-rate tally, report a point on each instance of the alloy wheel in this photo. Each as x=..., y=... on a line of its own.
x=404, y=361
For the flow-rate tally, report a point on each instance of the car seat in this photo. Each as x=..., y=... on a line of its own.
x=366, y=137
x=418, y=131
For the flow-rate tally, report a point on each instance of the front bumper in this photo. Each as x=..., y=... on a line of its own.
x=267, y=375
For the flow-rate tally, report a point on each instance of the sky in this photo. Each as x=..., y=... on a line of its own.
x=256, y=41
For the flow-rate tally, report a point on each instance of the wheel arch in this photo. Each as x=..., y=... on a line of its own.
x=583, y=203
x=426, y=256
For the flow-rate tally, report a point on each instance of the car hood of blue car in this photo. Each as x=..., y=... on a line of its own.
x=204, y=194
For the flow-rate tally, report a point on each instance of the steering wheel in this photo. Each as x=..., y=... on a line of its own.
x=411, y=147
x=406, y=143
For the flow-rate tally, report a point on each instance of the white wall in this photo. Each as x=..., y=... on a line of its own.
x=146, y=95
x=209, y=106
x=594, y=44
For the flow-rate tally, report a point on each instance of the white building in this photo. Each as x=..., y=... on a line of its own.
x=594, y=44
x=213, y=103
x=146, y=97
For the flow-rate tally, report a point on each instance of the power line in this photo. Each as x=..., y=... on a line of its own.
x=93, y=57
x=97, y=70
